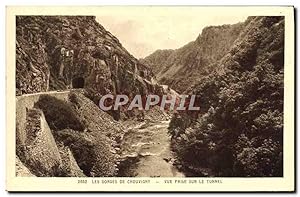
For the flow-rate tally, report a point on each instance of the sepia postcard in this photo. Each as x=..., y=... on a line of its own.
x=150, y=99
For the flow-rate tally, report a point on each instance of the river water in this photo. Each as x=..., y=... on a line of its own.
x=146, y=151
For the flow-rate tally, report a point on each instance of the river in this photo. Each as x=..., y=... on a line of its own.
x=146, y=151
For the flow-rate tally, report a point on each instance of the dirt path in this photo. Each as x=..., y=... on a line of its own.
x=146, y=152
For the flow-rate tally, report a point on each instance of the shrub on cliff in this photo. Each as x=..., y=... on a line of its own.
x=59, y=114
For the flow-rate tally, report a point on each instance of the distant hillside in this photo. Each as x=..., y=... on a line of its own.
x=157, y=60
x=182, y=67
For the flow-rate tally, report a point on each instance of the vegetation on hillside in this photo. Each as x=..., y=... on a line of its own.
x=239, y=131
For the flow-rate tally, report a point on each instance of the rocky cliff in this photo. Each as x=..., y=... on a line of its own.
x=63, y=52
x=183, y=67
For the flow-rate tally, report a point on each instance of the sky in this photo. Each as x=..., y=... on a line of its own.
x=143, y=30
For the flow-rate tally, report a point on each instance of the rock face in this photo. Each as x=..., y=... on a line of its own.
x=183, y=67
x=39, y=151
x=239, y=131
x=62, y=52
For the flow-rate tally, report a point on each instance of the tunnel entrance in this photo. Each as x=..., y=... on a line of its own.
x=78, y=82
